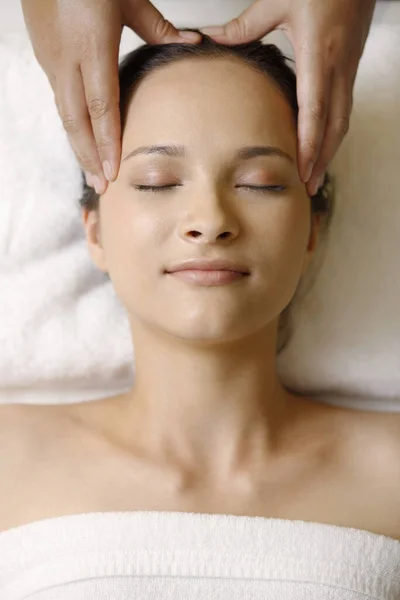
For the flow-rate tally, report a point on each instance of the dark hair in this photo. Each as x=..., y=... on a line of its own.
x=265, y=58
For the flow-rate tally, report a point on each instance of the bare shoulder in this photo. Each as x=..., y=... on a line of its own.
x=29, y=436
x=23, y=429
x=385, y=425
x=374, y=437
x=17, y=428
x=28, y=432
x=388, y=426
x=17, y=445
x=14, y=420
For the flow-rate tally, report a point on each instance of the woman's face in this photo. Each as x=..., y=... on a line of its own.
x=229, y=132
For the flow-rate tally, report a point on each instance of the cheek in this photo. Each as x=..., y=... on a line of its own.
x=283, y=225
x=133, y=248
x=134, y=241
x=283, y=233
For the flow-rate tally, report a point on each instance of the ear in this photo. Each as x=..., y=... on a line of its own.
x=312, y=242
x=92, y=225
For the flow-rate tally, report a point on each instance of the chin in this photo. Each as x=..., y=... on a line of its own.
x=202, y=339
x=207, y=332
x=205, y=322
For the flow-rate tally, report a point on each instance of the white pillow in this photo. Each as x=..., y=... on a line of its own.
x=64, y=336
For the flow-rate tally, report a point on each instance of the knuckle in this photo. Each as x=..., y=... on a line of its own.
x=237, y=29
x=89, y=163
x=333, y=47
x=341, y=125
x=97, y=108
x=162, y=29
x=103, y=143
x=70, y=123
x=317, y=109
x=307, y=48
x=56, y=53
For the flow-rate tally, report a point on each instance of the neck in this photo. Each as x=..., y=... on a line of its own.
x=213, y=409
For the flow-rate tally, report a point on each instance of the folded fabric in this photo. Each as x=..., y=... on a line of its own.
x=160, y=554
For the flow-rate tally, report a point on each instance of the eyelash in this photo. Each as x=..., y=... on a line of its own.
x=263, y=188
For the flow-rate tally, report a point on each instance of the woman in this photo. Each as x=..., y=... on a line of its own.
x=206, y=235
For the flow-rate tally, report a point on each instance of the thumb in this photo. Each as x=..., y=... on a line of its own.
x=252, y=24
x=149, y=24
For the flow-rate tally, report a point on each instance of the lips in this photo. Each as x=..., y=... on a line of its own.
x=208, y=265
x=209, y=272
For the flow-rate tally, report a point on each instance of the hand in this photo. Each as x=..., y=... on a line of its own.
x=328, y=39
x=77, y=45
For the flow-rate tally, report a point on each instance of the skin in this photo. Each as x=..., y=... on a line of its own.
x=207, y=427
x=77, y=42
x=328, y=40
x=207, y=396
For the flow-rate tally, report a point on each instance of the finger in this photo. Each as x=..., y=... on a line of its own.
x=52, y=79
x=314, y=77
x=252, y=24
x=149, y=24
x=101, y=88
x=72, y=108
x=336, y=128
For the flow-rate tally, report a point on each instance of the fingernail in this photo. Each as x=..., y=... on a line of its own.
x=308, y=170
x=215, y=30
x=318, y=183
x=190, y=36
x=314, y=187
x=107, y=170
x=88, y=177
x=98, y=185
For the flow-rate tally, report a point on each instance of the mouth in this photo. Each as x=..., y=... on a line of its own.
x=209, y=273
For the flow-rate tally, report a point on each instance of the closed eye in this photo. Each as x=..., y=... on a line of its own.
x=264, y=188
x=155, y=188
x=161, y=188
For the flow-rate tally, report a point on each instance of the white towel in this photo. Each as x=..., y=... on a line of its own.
x=193, y=556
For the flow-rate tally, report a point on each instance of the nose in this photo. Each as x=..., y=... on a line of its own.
x=209, y=221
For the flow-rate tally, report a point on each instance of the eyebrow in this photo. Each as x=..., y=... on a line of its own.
x=244, y=153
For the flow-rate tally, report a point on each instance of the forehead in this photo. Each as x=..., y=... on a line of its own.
x=209, y=100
